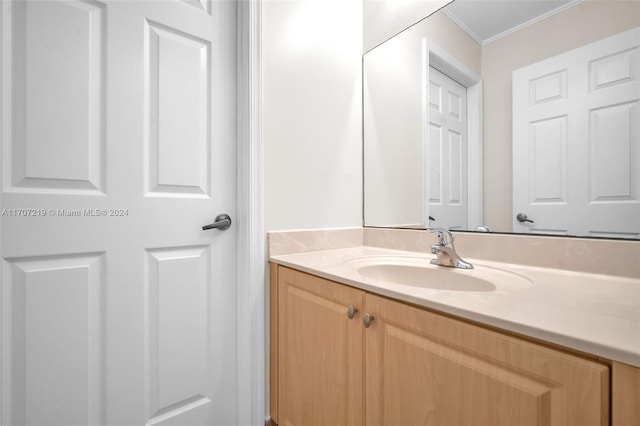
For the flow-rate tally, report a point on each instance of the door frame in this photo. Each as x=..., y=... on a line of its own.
x=251, y=237
x=443, y=61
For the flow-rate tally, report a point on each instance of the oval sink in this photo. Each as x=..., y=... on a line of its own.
x=417, y=276
x=418, y=272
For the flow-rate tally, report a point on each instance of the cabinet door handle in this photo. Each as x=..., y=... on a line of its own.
x=367, y=319
x=351, y=311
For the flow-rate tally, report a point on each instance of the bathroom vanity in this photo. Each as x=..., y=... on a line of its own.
x=543, y=330
x=351, y=347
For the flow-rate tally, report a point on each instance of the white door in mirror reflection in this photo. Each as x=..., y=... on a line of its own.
x=447, y=152
x=577, y=121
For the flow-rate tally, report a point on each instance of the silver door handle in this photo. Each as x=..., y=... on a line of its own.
x=222, y=222
x=521, y=217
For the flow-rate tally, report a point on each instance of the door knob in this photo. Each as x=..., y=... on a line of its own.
x=222, y=222
x=351, y=311
x=521, y=217
x=367, y=319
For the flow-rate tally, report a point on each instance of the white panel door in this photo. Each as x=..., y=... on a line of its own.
x=447, y=152
x=118, y=144
x=576, y=133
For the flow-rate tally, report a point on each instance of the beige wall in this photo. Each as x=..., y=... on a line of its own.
x=575, y=27
x=440, y=30
x=312, y=113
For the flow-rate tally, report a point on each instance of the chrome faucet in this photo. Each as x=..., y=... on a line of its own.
x=445, y=251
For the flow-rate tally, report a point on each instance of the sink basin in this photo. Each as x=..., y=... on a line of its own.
x=418, y=272
x=419, y=276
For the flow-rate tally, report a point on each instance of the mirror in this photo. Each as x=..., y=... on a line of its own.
x=520, y=116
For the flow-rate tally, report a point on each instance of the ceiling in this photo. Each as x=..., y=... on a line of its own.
x=487, y=20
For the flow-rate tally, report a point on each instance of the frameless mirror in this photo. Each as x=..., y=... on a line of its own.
x=519, y=116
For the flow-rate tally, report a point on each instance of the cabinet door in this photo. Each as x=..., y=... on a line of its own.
x=426, y=369
x=625, y=395
x=320, y=353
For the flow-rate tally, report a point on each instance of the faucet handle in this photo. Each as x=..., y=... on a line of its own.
x=444, y=236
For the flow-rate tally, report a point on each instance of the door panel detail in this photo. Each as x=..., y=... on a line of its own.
x=57, y=98
x=55, y=339
x=178, y=334
x=204, y=5
x=614, y=69
x=178, y=108
x=456, y=162
x=548, y=88
x=549, y=161
x=435, y=160
x=612, y=142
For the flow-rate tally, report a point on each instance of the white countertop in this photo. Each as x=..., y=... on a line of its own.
x=596, y=314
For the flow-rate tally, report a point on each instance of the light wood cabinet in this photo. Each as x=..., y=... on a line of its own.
x=416, y=367
x=319, y=352
x=625, y=395
x=426, y=369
